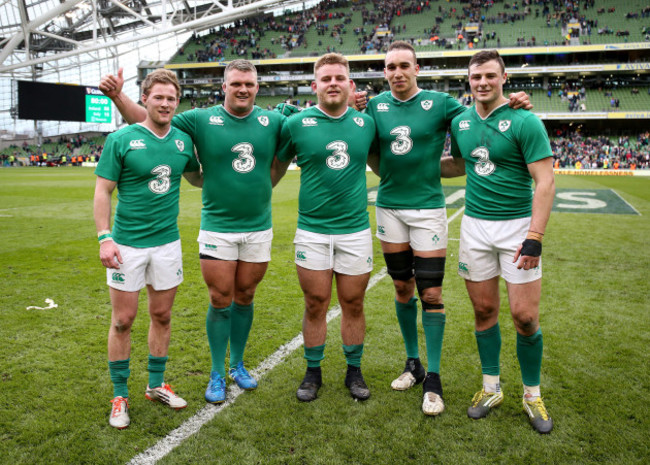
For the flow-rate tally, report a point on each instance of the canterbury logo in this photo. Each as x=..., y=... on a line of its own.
x=117, y=277
x=382, y=107
x=137, y=144
x=309, y=122
x=300, y=255
x=216, y=120
x=463, y=125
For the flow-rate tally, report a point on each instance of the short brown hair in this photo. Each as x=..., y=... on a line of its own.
x=244, y=66
x=331, y=59
x=402, y=45
x=160, y=76
x=487, y=55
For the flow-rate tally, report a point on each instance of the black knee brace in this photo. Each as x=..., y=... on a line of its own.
x=400, y=265
x=429, y=272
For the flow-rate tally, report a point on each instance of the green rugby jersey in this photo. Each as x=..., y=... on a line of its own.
x=332, y=155
x=497, y=150
x=148, y=171
x=236, y=156
x=411, y=136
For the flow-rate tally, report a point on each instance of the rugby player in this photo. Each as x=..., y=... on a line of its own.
x=145, y=163
x=333, y=241
x=502, y=151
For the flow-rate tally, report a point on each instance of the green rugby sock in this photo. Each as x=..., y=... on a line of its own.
x=434, y=331
x=217, y=324
x=241, y=320
x=156, y=369
x=489, y=349
x=119, y=371
x=314, y=355
x=529, y=353
x=353, y=354
x=407, y=316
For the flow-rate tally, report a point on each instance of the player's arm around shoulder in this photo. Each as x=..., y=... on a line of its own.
x=284, y=152
x=454, y=165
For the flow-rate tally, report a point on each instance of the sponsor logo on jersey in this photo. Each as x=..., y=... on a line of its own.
x=309, y=122
x=463, y=125
x=358, y=120
x=216, y=120
x=382, y=107
x=264, y=120
x=137, y=144
x=301, y=255
x=426, y=104
x=180, y=144
x=117, y=277
x=504, y=125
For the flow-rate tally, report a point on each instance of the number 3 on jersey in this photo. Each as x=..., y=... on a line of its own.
x=403, y=143
x=161, y=184
x=339, y=158
x=246, y=161
x=483, y=167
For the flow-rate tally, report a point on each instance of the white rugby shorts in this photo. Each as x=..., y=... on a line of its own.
x=424, y=230
x=349, y=254
x=487, y=249
x=253, y=247
x=160, y=266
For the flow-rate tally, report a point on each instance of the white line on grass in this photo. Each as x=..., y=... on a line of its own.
x=628, y=203
x=207, y=413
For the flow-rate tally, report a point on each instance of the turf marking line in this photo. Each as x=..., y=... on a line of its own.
x=628, y=203
x=193, y=424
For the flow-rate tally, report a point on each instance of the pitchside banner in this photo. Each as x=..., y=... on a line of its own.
x=566, y=200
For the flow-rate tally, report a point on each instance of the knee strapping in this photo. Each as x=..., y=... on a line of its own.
x=399, y=265
x=429, y=272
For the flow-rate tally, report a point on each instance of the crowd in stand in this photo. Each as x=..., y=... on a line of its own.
x=382, y=20
x=574, y=150
x=64, y=151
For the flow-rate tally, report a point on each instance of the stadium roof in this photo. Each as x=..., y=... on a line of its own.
x=44, y=33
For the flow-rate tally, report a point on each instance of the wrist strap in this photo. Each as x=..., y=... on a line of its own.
x=535, y=236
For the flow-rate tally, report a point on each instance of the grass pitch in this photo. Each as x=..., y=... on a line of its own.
x=56, y=389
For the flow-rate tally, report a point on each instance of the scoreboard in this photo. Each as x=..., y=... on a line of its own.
x=63, y=102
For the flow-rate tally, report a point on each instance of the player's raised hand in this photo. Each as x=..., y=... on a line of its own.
x=111, y=85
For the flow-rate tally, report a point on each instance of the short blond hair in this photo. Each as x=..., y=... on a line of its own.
x=244, y=66
x=160, y=76
x=331, y=59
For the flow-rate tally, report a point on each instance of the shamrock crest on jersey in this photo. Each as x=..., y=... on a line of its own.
x=426, y=104
x=180, y=144
x=359, y=121
x=264, y=120
x=504, y=125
